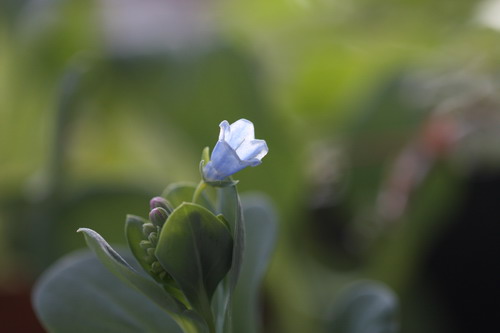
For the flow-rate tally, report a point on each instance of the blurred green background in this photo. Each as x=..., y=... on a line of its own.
x=382, y=119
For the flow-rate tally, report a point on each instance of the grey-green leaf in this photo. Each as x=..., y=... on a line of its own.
x=261, y=232
x=78, y=294
x=134, y=235
x=195, y=248
x=118, y=266
x=229, y=206
x=365, y=307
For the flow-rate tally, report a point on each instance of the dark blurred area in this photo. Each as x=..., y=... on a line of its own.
x=382, y=119
x=459, y=267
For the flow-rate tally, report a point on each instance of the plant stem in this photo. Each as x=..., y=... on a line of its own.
x=199, y=189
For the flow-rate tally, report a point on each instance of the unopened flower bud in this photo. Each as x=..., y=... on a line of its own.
x=151, y=252
x=156, y=267
x=148, y=228
x=158, y=216
x=160, y=202
x=153, y=238
x=145, y=244
x=150, y=259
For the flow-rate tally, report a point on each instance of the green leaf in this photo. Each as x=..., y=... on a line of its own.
x=195, y=248
x=261, y=232
x=134, y=235
x=78, y=294
x=229, y=206
x=177, y=193
x=365, y=307
x=118, y=266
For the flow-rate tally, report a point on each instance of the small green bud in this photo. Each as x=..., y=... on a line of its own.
x=151, y=252
x=156, y=267
x=160, y=202
x=153, y=238
x=145, y=244
x=148, y=228
x=150, y=259
x=162, y=275
x=158, y=216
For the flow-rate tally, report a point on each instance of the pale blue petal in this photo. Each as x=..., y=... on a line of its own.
x=223, y=163
x=235, y=150
x=225, y=131
x=254, y=149
x=241, y=130
x=253, y=162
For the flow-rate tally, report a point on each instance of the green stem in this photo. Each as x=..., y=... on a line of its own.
x=199, y=189
x=189, y=326
x=194, y=323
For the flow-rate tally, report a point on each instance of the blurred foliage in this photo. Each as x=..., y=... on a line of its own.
x=358, y=101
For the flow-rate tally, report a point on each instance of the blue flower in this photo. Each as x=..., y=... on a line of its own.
x=236, y=149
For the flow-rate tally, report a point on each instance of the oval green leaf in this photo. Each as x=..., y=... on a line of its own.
x=195, y=248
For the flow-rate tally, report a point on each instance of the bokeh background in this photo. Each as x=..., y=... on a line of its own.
x=382, y=119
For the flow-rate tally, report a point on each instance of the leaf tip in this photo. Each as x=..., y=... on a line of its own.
x=86, y=231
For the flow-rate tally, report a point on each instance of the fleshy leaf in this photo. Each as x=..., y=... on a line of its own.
x=365, y=307
x=118, y=266
x=229, y=206
x=261, y=232
x=78, y=294
x=195, y=248
x=134, y=235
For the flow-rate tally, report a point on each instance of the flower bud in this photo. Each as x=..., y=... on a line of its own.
x=153, y=238
x=160, y=202
x=150, y=259
x=148, y=228
x=158, y=216
x=145, y=244
x=156, y=267
x=151, y=251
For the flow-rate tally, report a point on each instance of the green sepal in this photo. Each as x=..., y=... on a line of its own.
x=205, y=155
x=227, y=182
x=196, y=248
